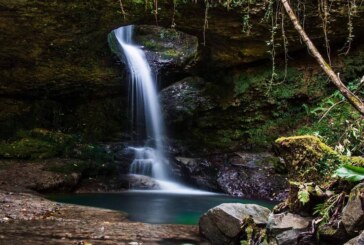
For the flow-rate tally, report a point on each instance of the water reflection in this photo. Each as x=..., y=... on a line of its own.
x=154, y=207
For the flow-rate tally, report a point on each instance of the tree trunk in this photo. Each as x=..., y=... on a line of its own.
x=352, y=98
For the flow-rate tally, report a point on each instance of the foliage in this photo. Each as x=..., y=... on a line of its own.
x=37, y=143
x=252, y=234
x=337, y=123
x=42, y=143
x=326, y=209
x=305, y=190
x=350, y=173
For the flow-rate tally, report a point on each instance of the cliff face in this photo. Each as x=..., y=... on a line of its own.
x=57, y=70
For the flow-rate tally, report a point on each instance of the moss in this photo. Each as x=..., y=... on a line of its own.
x=342, y=124
x=308, y=158
x=42, y=143
x=357, y=161
x=170, y=53
x=29, y=148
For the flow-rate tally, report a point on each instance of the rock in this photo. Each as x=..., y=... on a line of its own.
x=198, y=171
x=47, y=222
x=36, y=176
x=252, y=175
x=302, y=155
x=221, y=224
x=249, y=175
x=165, y=48
x=278, y=223
x=333, y=232
x=141, y=182
x=250, y=183
x=353, y=213
x=359, y=240
x=288, y=237
x=185, y=99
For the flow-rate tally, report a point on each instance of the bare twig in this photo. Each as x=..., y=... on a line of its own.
x=330, y=108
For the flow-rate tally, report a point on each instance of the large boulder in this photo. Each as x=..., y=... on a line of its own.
x=307, y=158
x=278, y=223
x=333, y=232
x=222, y=224
x=199, y=172
x=252, y=175
x=353, y=212
x=248, y=175
x=286, y=228
x=359, y=240
x=288, y=237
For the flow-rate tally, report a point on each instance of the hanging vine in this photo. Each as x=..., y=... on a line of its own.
x=173, y=22
x=323, y=11
x=155, y=11
x=285, y=45
x=246, y=20
x=352, y=11
x=272, y=44
x=206, y=21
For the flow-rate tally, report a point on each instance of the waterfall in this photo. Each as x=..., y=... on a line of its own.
x=148, y=160
x=144, y=106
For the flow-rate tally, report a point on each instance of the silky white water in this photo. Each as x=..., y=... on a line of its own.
x=149, y=161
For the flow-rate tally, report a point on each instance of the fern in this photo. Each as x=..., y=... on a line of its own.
x=303, y=196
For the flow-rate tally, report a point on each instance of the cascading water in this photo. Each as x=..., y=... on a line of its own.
x=145, y=106
x=148, y=161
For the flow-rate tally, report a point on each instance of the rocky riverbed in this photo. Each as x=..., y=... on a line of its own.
x=27, y=218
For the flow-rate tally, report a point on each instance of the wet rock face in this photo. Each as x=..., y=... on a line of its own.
x=141, y=182
x=252, y=177
x=185, y=99
x=221, y=224
x=245, y=175
x=198, y=172
x=64, y=52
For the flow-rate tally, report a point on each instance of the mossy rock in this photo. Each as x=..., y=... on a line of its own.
x=164, y=47
x=307, y=157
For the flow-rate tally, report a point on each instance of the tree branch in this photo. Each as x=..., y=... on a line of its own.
x=351, y=97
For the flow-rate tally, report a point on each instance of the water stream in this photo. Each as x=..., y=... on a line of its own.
x=145, y=108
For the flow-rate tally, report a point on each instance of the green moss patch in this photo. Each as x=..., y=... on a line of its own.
x=42, y=143
x=308, y=159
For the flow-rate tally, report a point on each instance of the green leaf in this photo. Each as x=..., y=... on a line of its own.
x=350, y=173
x=304, y=196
